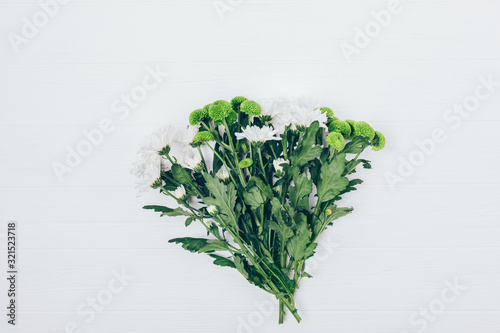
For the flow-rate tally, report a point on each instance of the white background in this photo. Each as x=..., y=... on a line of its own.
x=378, y=267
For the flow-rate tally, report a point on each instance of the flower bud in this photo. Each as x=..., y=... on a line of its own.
x=180, y=193
x=212, y=210
x=222, y=174
x=277, y=163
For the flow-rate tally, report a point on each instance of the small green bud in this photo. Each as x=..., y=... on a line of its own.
x=203, y=137
x=219, y=110
x=364, y=129
x=244, y=147
x=378, y=142
x=197, y=116
x=335, y=140
x=236, y=102
x=245, y=163
x=340, y=127
x=250, y=107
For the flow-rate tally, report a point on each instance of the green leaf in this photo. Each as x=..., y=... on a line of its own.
x=222, y=261
x=299, y=193
x=181, y=175
x=306, y=151
x=201, y=245
x=331, y=182
x=325, y=220
x=223, y=198
x=249, y=272
x=266, y=190
x=168, y=211
x=351, y=186
x=253, y=198
x=189, y=220
x=297, y=245
x=357, y=145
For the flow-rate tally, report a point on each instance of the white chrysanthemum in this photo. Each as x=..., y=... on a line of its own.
x=162, y=137
x=277, y=163
x=180, y=193
x=258, y=134
x=188, y=158
x=147, y=172
x=212, y=210
x=270, y=107
x=222, y=174
x=304, y=117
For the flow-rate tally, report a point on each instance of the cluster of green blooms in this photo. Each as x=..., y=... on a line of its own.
x=257, y=186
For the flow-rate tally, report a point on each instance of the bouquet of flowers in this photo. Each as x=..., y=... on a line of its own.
x=264, y=180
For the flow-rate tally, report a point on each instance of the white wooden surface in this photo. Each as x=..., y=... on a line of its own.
x=378, y=267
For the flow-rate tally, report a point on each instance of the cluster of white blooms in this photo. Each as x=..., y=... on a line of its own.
x=279, y=113
x=153, y=150
x=258, y=134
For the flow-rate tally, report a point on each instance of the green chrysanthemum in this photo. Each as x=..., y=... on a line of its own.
x=340, y=127
x=203, y=137
x=250, y=107
x=335, y=140
x=329, y=112
x=245, y=163
x=378, y=142
x=231, y=119
x=219, y=110
x=197, y=116
x=236, y=102
x=351, y=123
x=364, y=129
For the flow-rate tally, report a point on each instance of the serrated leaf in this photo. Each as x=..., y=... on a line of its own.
x=306, y=151
x=331, y=182
x=267, y=192
x=297, y=245
x=299, y=193
x=253, y=198
x=224, y=198
x=201, y=245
